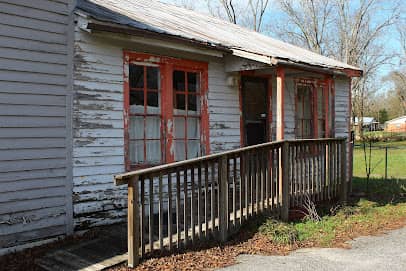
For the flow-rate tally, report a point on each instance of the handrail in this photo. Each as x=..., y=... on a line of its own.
x=122, y=179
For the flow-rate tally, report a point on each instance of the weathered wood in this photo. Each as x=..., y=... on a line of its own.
x=206, y=198
x=223, y=199
x=343, y=173
x=270, y=176
x=284, y=181
x=133, y=223
x=178, y=212
x=151, y=214
x=170, y=191
x=142, y=222
x=192, y=204
x=185, y=208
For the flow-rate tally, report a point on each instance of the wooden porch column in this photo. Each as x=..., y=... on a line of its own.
x=280, y=100
x=133, y=218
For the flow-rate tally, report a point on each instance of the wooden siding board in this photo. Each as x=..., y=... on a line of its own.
x=33, y=120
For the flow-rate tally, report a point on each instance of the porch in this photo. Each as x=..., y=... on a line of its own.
x=179, y=204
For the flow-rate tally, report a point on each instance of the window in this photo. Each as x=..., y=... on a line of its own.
x=314, y=107
x=145, y=115
x=159, y=92
x=186, y=113
x=304, y=112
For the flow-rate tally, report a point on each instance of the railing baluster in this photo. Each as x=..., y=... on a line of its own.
x=235, y=191
x=199, y=200
x=192, y=204
x=185, y=207
x=257, y=177
x=178, y=212
x=212, y=199
x=161, y=213
x=246, y=183
x=151, y=214
x=206, y=199
x=142, y=224
x=170, y=210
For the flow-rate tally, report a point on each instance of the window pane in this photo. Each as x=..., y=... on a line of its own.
x=179, y=128
x=179, y=80
x=136, y=129
x=193, y=104
x=152, y=78
x=193, y=129
x=193, y=149
x=153, y=127
x=136, y=151
x=180, y=101
x=153, y=151
x=152, y=99
x=193, y=82
x=136, y=76
x=136, y=102
x=179, y=150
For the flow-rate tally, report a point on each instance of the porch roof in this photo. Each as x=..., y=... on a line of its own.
x=149, y=16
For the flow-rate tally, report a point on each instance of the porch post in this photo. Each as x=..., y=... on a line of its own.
x=133, y=220
x=280, y=100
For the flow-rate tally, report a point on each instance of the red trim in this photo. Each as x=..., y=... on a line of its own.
x=166, y=66
x=280, y=103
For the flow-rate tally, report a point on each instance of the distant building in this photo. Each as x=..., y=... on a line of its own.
x=368, y=124
x=396, y=125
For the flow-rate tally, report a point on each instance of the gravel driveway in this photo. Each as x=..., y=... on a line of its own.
x=384, y=252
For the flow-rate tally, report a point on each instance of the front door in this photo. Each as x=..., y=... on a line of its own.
x=255, y=110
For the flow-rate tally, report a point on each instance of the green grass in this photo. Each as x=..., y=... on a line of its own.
x=396, y=160
x=384, y=206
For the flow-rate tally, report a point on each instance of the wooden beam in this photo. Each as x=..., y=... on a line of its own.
x=133, y=221
x=280, y=100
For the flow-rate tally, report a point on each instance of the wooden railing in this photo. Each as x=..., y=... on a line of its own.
x=176, y=205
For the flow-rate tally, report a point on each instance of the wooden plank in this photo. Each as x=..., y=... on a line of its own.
x=235, y=190
x=170, y=210
x=133, y=223
x=192, y=204
x=343, y=173
x=223, y=198
x=206, y=198
x=142, y=222
x=199, y=200
x=185, y=207
x=151, y=214
x=213, y=199
x=178, y=212
x=285, y=181
x=160, y=212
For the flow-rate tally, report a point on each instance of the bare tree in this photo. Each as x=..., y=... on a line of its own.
x=307, y=23
x=250, y=14
x=349, y=31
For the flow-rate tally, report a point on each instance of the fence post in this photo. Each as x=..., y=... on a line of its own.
x=223, y=198
x=284, y=180
x=133, y=223
x=344, y=183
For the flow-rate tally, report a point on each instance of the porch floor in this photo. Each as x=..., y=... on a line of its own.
x=109, y=248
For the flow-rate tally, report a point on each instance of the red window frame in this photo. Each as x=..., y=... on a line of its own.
x=328, y=106
x=166, y=66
